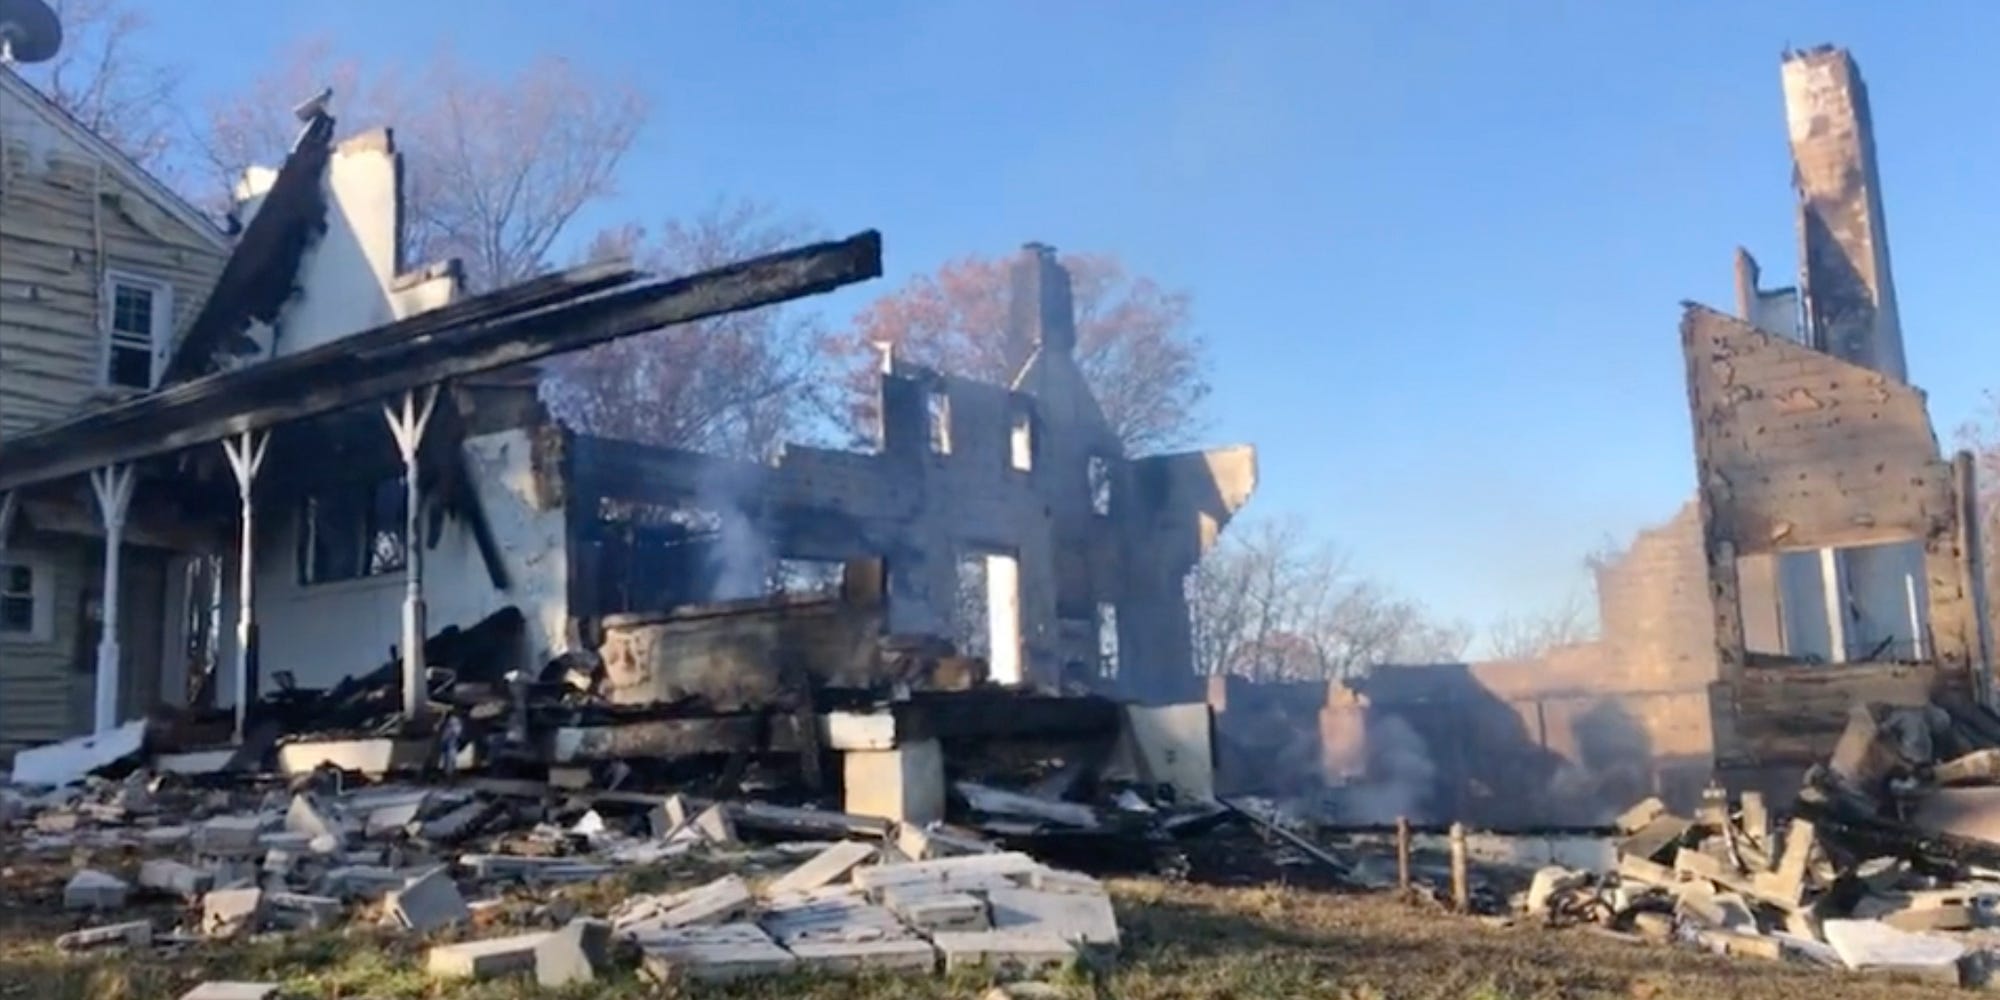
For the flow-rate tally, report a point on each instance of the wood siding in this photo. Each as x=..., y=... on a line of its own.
x=66, y=220
x=47, y=689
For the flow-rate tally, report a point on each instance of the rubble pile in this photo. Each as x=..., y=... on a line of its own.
x=1888, y=861
x=490, y=870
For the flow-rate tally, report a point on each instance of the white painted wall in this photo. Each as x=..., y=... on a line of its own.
x=350, y=278
x=325, y=632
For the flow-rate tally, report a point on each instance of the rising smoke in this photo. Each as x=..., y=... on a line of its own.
x=1398, y=780
x=739, y=563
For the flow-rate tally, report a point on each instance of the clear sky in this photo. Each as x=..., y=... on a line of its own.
x=1436, y=249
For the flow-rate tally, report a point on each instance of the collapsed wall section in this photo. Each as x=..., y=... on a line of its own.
x=1796, y=449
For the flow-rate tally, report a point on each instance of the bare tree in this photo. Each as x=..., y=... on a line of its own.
x=1525, y=637
x=1271, y=604
x=497, y=167
x=104, y=80
x=739, y=384
x=1134, y=342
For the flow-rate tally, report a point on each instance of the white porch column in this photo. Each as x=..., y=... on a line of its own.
x=113, y=486
x=407, y=422
x=246, y=456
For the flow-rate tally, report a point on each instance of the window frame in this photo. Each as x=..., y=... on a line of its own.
x=160, y=337
x=41, y=597
x=363, y=494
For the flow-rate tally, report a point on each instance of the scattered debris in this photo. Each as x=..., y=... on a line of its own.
x=1887, y=862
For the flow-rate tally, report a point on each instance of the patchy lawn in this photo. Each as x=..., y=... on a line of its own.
x=1181, y=941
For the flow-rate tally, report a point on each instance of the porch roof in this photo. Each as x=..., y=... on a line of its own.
x=563, y=312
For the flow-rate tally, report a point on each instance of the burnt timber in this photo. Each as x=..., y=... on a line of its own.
x=485, y=333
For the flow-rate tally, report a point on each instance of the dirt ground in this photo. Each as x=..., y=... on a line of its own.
x=1181, y=941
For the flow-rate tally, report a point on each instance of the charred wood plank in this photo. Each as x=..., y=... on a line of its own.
x=379, y=363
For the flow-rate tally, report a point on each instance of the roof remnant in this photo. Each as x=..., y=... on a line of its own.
x=565, y=312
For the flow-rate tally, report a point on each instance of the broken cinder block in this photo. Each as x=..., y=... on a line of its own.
x=132, y=934
x=484, y=959
x=429, y=902
x=174, y=879
x=229, y=912
x=715, y=954
x=577, y=953
x=825, y=868
x=94, y=890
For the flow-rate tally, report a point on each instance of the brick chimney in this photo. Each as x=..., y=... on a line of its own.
x=1040, y=311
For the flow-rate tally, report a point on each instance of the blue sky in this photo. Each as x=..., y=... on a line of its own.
x=1436, y=249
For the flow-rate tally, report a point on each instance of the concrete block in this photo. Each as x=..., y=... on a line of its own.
x=174, y=879
x=715, y=825
x=1656, y=841
x=1871, y=944
x=1072, y=917
x=361, y=881
x=131, y=934
x=832, y=918
x=951, y=911
x=712, y=954
x=905, y=784
x=166, y=836
x=1008, y=952
x=907, y=954
x=484, y=959
x=577, y=953
x=303, y=912
x=945, y=872
x=1550, y=881
x=394, y=820
x=718, y=902
x=1640, y=816
x=232, y=991
x=229, y=912
x=429, y=902
x=229, y=836
x=827, y=867
x=306, y=817
x=94, y=890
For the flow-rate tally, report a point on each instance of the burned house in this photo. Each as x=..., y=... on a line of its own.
x=294, y=541
x=1830, y=559
x=1006, y=517
x=253, y=465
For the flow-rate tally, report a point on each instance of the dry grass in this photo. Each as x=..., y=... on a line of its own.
x=1181, y=941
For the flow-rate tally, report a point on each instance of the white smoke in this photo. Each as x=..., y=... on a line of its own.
x=740, y=562
x=1398, y=779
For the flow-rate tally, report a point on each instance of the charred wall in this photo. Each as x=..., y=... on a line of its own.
x=1798, y=449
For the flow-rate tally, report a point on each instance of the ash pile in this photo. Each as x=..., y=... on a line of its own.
x=1889, y=859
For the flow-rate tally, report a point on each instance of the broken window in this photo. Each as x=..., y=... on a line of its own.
x=969, y=615
x=17, y=599
x=938, y=407
x=136, y=325
x=1100, y=486
x=1021, y=442
x=807, y=576
x=355, y=531
x=1107, y=639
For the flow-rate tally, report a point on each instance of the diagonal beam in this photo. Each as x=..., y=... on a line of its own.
x=384, y=362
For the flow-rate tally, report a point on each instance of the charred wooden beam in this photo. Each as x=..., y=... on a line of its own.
x=380, y=363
